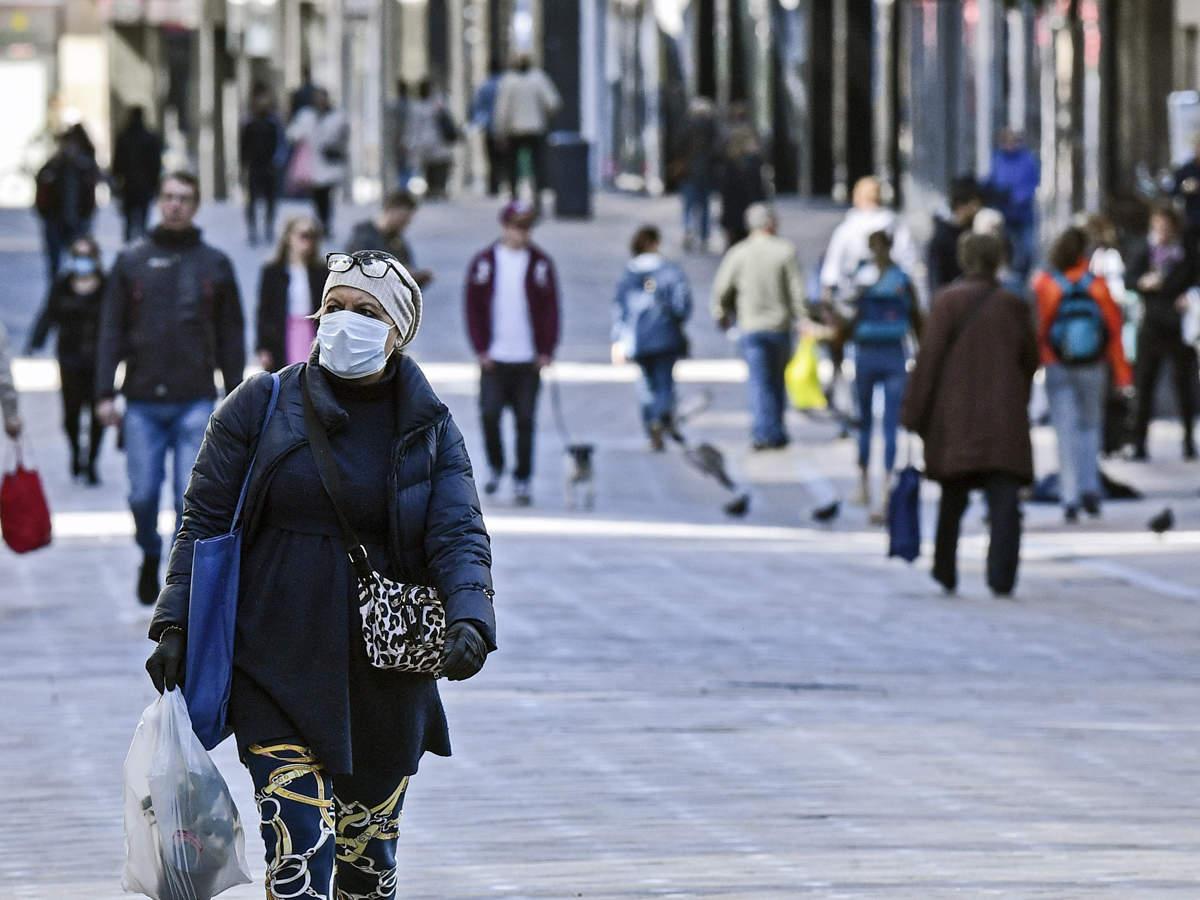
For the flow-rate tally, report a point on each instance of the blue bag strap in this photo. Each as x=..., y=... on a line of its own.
x=237, y=512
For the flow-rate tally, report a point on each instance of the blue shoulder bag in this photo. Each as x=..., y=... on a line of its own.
x=212, y=614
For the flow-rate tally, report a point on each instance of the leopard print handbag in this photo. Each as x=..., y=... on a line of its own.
x=403, y=625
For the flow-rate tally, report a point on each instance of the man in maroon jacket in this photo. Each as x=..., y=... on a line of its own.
x=512, y=320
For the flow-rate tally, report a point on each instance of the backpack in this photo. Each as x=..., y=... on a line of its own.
x=883, y=310
x=1078, y=335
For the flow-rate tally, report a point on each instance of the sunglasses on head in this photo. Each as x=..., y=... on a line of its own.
x=369, y=262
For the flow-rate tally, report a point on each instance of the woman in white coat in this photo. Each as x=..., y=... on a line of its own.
x=326, y=131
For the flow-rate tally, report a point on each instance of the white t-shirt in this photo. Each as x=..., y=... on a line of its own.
x=512, y=333
x=299, y=293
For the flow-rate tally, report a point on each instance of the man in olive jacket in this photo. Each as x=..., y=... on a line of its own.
x=173, y=315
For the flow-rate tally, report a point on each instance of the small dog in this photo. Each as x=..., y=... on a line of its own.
x=580, y=486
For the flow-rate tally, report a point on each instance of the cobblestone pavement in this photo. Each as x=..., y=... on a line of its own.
x=682, y=706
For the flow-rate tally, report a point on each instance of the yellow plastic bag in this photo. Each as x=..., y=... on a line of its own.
x=801, y=378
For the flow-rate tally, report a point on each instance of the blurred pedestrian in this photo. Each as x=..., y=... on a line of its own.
x=1186, y=185
x=512, y=312
x=72, y=310
x=387, y=231
x=66, y=195
x=289, y=296
x=259, y=144
x=1079, y=342
x=398, y=135
x=483, y=117
x=330, y=736
x=304, y=96
x=1106, y=260
x=1013, y=183
x=887, y=311
x=327, y=133
x=526, y=100
x=429, y=135
x=965, y=201
x=742, y=181
x=968, y=398
x=699, y=155
x=172, y=314
x=651, y=308
x=989, y=221
x=758, y=290
x=8, y=389
x=1162, y=271
x=136, y=170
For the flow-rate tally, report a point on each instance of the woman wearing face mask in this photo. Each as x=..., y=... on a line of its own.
x=73, y=310
x=308, y=707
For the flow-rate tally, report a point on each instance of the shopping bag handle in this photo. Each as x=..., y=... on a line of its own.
x=17, y=448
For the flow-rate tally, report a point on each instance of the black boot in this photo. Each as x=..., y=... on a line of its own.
x=147, y=586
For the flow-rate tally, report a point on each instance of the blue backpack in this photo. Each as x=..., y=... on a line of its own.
x=1078, y=335
x=883, y=310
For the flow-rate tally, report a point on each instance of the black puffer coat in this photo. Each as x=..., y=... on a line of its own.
x=436, y=535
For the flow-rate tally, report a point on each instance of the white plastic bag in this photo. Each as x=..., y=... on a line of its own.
x=183, y=836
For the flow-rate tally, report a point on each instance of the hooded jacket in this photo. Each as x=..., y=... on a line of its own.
x=652, y=304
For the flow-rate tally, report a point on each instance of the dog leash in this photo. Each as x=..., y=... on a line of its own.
x=560, y=420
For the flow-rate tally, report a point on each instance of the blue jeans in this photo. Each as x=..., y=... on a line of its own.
x=879, y=365
x=767, y=354
x=657, y=389
x=1023, y=237
x=1076, y=398
x=151, y=428
x=695, y=207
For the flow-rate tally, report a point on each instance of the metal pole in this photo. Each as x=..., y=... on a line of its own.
x=840, y=117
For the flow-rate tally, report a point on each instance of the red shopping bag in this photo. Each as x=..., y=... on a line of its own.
x=24, y=513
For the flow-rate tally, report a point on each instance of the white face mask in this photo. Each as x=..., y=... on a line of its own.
x=352, y=346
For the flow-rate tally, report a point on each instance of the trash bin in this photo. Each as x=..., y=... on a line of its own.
x=569, y=176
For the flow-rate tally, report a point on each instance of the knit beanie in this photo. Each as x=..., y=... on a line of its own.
x=396, y=292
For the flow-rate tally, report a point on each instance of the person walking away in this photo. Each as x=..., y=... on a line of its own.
x=171, y=312
x=1106, y=261
x=397, y=135
x=651, y=308
x=136, y=170
x=66, y=195
x=329, y=739
x=989, y=221
x=742, y=182
x=258, y=150
x=483, y=117
x=758, y=290
x=968, y=399
x=526, y=100
x=438, y=163
x=512, y=313
x=326, y=130
x=1186, y=186
x=425, y=135
x=9, y=406
x=304, y=96
x=72, y=310
x=289, y=296
x=965, y=201
x=1162, y=271
x=887, y=310
x=388, y=231
x=699, y=152
x=1079, y=341
x=1013, y=180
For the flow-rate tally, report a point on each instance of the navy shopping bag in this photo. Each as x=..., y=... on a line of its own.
x=212, y=613
x=904, y=516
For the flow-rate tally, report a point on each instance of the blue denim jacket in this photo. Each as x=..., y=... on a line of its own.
x=652, y=303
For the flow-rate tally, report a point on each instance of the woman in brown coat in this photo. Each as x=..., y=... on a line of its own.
x=968, y=399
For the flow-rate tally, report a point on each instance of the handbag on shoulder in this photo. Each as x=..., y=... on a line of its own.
x=403, y=625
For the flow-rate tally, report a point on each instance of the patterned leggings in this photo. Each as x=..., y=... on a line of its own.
x=329, y=838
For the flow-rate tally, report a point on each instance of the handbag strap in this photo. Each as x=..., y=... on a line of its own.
x=331, y=480
x=237, y=512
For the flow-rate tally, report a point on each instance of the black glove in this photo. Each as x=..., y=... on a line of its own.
x=165, y=664
x=466, y=651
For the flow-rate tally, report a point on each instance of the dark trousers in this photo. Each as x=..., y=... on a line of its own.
x=260, y=189
x=322, y=198
x=1156, y=346
x=515, y=386
x=325, y=836
x=136, y=211
x=78, y=393
x=496, y=165
x=535, y=146
x=1004, y=515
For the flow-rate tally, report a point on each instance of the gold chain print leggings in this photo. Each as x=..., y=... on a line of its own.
x=329, y=838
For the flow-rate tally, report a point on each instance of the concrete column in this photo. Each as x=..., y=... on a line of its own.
x=1142, y=35
x=883, y=93
x=722, y=40
x=839, y=121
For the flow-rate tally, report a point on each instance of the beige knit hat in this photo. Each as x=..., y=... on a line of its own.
x=396, y=292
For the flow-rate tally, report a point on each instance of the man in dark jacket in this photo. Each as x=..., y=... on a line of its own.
x=699, y=158
x=965, y=200
x=258, y=149
x=172, y=314
x=136, y=169
x=512, y=320
x=1187, y=185
x=968, y=398
x=387, y=232
x=66, y=195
